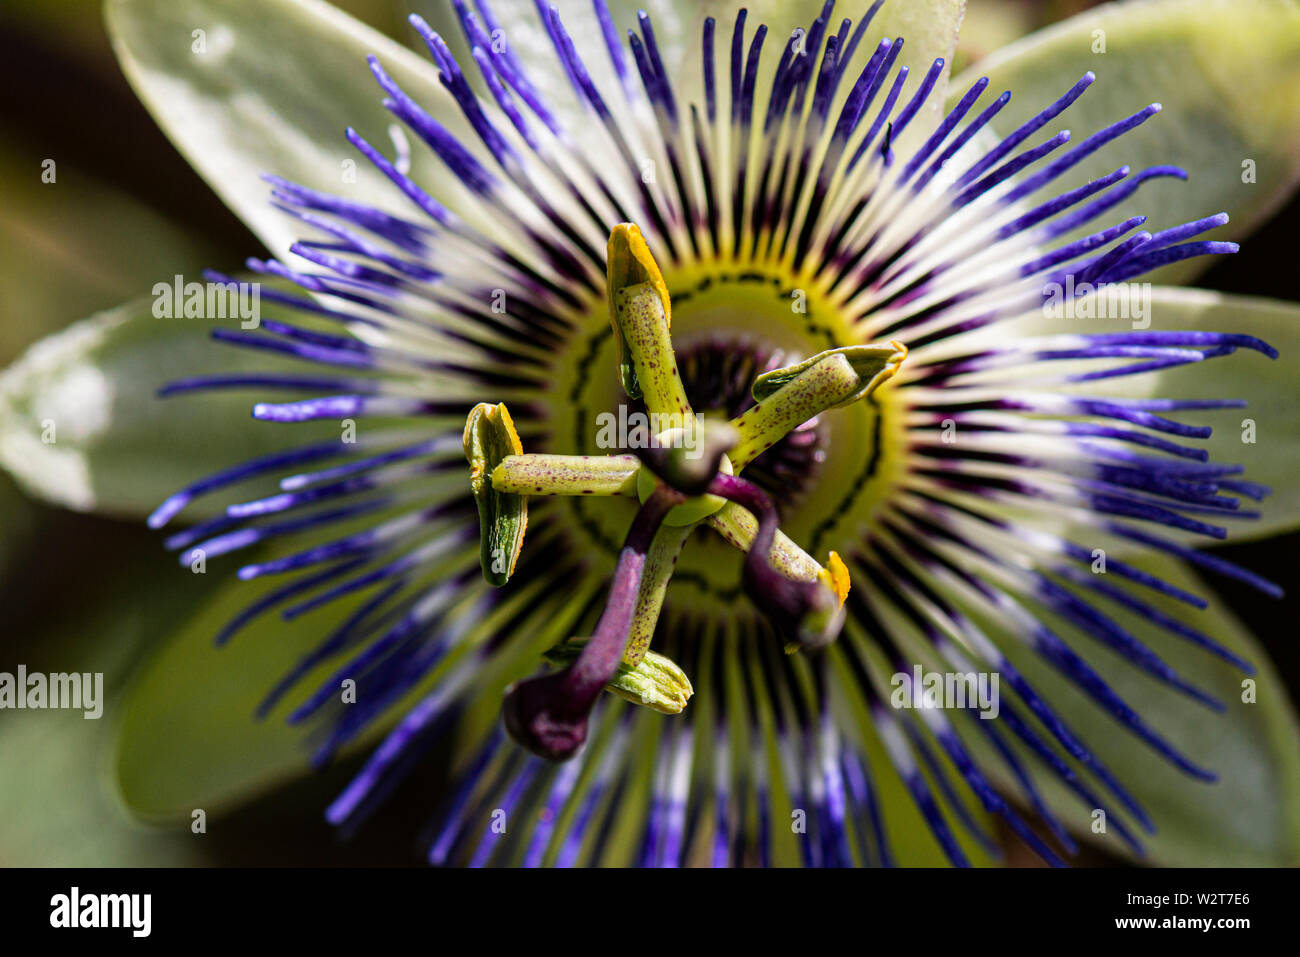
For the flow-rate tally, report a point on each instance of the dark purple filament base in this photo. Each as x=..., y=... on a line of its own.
x=548, y=714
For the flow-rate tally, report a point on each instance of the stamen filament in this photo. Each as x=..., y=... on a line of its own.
x=787, y=398
x=740, y=528
x=538, y=474
x=658, y=570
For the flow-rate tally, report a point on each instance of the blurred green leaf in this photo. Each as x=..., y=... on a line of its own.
x=60, y=804
x=74, y=245
x=74, y=22
x=1227, y=73
x=20, y=523
x=57, y=791
x=992, y=24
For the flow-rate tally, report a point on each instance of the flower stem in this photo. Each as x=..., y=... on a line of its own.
x=815, y=390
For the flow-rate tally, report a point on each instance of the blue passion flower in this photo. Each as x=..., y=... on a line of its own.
x=882, y=313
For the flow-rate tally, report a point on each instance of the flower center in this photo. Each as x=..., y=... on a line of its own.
x=730, y=323
x=717, y=373
x=684, y=467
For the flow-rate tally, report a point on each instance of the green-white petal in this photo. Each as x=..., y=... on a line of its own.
x=1263, y=436
x=992, y=24
x=1251, y=815
x=107, y=630
x=929, y=28
x=81, y=424
x=188, y=735
x=273, y=91
x=1227, y=73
